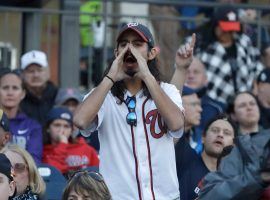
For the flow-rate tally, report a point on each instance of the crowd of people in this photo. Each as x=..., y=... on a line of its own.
x=204, y=135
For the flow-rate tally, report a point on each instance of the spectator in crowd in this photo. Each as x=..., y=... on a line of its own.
x=86, y=185
x=196, y=79
x=61, y=150
x=232, y=63
x=193, y=109
x=265, y=54
x=191, y=167
x=69, y=97
x=131, y=85
x=243, y=173
x=5, y=135
x=244, y=110
x=263, y=95
x=7, y=184
x=40, y=92
x=26, y=132
x=29, y=184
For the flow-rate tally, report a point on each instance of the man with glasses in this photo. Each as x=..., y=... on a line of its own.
x=137, y=117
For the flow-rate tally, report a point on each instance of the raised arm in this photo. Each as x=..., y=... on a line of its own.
x=86, y=113
x=183, y=59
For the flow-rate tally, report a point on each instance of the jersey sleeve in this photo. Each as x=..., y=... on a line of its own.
x=174, y=94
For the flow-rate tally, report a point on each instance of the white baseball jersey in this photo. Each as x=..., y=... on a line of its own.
x=138, y=162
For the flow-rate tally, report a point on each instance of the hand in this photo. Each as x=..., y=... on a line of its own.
x=143, y=69
x=116, y=71
x=63, y=138
x=184, y=54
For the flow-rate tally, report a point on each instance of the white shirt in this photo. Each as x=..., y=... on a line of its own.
x=126, y=154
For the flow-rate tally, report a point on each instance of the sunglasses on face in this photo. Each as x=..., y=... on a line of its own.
x=19, y=168
x=131, y=116
x=94, y=175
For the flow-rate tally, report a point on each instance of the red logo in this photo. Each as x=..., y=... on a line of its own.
x=151, y=118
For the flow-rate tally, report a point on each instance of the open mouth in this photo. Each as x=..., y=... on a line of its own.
x=129, y=58
x=219, y=143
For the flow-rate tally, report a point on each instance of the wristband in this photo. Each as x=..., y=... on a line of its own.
x=110, y=79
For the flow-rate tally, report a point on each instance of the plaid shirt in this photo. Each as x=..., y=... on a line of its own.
x=219, y=69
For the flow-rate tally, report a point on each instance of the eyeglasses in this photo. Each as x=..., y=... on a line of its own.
x=94, y=175
x=19, y=168
x=131, y=116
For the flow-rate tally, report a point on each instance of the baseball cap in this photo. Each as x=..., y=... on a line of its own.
x=5, y=166
x=4, y=122
x=264, y=76
x=140, y=29
x=188, y=91
x=65, y=94
x=34, y=57
x=59, y=113
x=227, y=19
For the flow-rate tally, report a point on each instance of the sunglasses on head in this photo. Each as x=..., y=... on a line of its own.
x=94, y=175
x=19, y=168
x=131, y=116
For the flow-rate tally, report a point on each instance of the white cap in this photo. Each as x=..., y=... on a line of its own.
x=31, y=57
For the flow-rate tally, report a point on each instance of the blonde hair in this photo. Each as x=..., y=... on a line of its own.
x=36, y=182
x=83, y=184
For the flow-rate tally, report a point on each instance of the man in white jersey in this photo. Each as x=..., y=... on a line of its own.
x=137, y=117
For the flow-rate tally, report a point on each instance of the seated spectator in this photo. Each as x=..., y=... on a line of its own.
x=26, y=132
x=69, y=97
x=193, y=109
x=5, y=135
x=7, y=184
x=29, y=184
x=196, y=79
x=61, y=150
x=244, y=110
x=243, y=173
x=86, y=185
x=40, y=91
x=191, y=167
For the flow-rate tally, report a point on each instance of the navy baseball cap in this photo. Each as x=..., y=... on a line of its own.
x=227, y=19
x=140, y=29
x=5, y=166
x=264, y=76
x=59, y=113
x=188, y=91
x=4, y=122
x=65, y=94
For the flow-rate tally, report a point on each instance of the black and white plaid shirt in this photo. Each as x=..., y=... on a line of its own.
x=219, y=70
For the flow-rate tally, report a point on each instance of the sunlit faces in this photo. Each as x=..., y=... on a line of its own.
x=21, y=177
x=196, y=75
x=35, y=76
x=246, y=110
x=7, y=187
x=74, y=196
x=11, y=91
x=219, y=135
x=59, y=128
x=130, y=62
x=193, y=109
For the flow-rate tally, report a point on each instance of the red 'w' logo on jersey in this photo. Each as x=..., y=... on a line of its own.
x=151, y=118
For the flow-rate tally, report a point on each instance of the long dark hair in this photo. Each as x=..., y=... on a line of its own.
x=118, y=89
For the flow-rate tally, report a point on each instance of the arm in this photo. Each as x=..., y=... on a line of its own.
x=169, y=111
x=86, y=113
x=183, y=59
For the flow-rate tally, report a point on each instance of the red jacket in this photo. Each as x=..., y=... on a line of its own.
x=71, y=156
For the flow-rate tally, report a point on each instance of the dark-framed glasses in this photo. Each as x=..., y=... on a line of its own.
x=131, y=116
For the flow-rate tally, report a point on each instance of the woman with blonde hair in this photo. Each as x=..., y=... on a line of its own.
x=29, y=183
x=86, y=185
